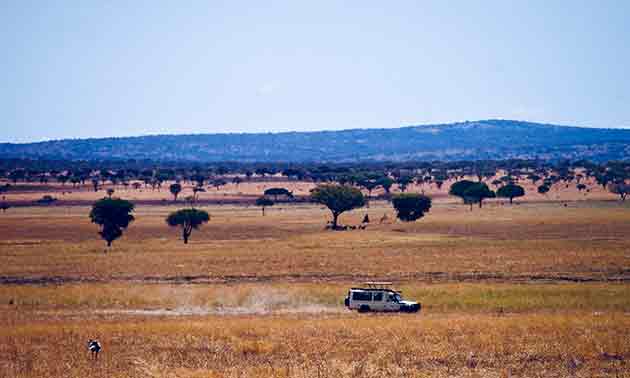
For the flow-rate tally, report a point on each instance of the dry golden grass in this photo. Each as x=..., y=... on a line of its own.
x=255, y=296
x=298, y=346
x=521, y=242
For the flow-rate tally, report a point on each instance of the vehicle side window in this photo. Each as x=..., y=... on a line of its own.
x=377, y=297
x=390, y=298
x=361, y=296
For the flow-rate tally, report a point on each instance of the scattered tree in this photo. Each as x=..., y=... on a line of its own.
x=543, y=189
x=197, y=189
x=476, y=193
x=411, y=206
x=217, y=183
x=46, y=199
x=277, y=192
x=188, y=220
x=4, y=206
x=386, y=182
x=403, y=182
x=264, y=202
x=459, y=188
x=175, y=189
x=511, y=191
x=338, y=199
x=113, y=215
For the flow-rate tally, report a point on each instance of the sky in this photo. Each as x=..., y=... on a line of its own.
x=78, y=69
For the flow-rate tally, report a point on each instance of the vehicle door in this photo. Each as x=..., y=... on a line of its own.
x=378, y=301
x=392, y=303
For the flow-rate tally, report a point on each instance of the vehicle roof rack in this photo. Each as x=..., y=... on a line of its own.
x=378, y=284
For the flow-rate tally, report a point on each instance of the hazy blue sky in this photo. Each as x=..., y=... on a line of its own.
x=113, y=68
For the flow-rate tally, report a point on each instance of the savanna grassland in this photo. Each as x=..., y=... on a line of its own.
x=535, y=289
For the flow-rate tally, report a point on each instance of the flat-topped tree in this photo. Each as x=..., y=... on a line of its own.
x=476, y=193
x=188, y=220
x=511, y=191
x=113, y=215
x=338, y=199
x=277, y=192
x=403, y=182
x=459, y=188
x=386, y=182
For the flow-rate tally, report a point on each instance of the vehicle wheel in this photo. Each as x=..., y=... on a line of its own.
x=364, y=308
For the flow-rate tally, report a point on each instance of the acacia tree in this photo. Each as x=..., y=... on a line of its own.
x=386, y=182
x=188, y=220
x=476, y=193
x=264, y=202
x=543, y=189
x=403, y=182
x=175, y=189
x=277, y=192
x=511, y=191
x=459, y=188
x=411, y=206
x=338, y=199
x=113, y=215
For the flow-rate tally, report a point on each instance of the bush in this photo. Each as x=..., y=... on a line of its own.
x=411, y=206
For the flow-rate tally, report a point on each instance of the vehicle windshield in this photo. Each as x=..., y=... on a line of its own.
x=397, y=298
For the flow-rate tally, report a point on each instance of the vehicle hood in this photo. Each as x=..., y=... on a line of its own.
x=408, y=303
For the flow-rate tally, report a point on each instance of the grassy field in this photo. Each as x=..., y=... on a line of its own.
x=539, y=289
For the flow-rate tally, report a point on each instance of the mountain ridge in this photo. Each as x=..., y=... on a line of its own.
x=470, y=140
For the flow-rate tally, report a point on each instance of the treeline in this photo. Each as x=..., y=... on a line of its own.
x=369, y=175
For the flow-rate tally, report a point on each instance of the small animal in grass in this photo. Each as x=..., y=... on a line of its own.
x=94, y=347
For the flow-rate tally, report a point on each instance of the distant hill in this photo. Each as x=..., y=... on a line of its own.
x=490, y=139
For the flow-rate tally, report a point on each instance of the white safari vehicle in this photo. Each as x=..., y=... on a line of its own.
x=378, y=296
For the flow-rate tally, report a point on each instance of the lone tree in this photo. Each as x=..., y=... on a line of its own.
x=264, y=202
x=411, y=206
x=338, y=199
x=187, y=219
x=621, y=189
x=511, y=191
x=113, y=215
x=175, y=190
